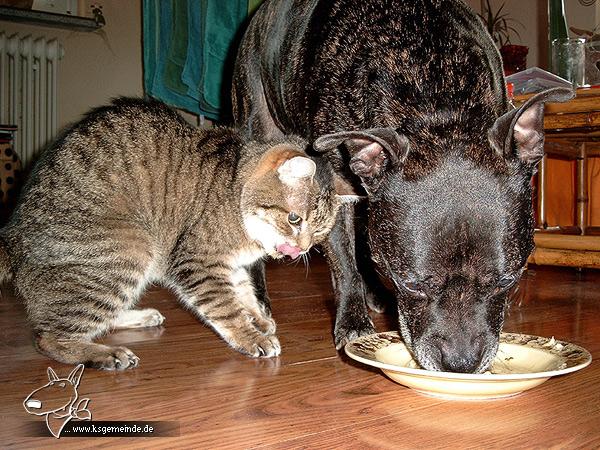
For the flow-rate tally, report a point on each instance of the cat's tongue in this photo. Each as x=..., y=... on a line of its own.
x=288, y=250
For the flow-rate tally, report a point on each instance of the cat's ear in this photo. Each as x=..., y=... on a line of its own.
x=520, y=132
x=296, y=169
x=372, y=151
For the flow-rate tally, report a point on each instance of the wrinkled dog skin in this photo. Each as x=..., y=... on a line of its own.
x=409, y=95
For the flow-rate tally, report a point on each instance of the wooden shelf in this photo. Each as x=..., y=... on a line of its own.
x=47, y=19
x=567, y=242
x=565, y=257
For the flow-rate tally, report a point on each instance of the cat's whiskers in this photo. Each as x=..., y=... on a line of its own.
x=306, y=259
x=298, y=259
x=292, y=261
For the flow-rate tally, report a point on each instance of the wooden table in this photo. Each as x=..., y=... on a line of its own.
x=572, y=133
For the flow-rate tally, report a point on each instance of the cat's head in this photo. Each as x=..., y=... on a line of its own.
x=289, y=202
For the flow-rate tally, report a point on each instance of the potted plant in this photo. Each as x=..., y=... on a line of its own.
x=501, y=26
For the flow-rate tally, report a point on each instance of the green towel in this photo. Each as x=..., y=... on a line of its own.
x=161, y=59
x=221, y=22
x=189, y=52
x=177, y=53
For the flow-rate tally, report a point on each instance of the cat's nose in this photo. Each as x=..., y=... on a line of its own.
x=305, y=243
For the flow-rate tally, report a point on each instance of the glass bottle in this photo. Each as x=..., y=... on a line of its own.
x=557, y=25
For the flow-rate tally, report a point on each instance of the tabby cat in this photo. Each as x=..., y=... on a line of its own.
x=133, y=195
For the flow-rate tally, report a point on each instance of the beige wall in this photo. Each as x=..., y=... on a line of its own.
x=526, y=12
x=95, y=69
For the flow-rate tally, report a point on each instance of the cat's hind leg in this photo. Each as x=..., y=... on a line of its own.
x=76, y=350
x=70, y=305
x=138, y=318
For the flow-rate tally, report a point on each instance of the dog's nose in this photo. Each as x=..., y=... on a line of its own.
x=33, y=404
x=461, y=353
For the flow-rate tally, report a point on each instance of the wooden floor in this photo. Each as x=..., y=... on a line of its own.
x=310, y=397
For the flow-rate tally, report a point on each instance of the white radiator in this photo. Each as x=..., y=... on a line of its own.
x=28, y=91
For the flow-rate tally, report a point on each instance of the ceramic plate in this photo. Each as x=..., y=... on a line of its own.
x=522, y=362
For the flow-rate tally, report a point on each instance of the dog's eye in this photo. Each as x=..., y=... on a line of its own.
x=414, y=288
x=294, y=219
x=505, y=283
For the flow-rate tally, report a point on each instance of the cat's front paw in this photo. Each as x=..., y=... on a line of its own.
x=260, y=319
x=261, y=346
x=264, y=324
x=267, y=347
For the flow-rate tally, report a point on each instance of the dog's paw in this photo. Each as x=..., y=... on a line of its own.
x=346, y=332
x=375, y=303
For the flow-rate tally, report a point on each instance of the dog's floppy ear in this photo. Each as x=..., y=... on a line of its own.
x=372, y=151
x=520, y=132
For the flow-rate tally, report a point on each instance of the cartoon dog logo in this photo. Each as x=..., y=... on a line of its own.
x=57, y=400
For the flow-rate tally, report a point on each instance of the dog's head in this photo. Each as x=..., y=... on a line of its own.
x=451, y=227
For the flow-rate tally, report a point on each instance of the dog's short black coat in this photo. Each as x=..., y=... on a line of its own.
x=413, y=92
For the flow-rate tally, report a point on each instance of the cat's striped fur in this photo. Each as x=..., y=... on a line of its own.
x=133, y=195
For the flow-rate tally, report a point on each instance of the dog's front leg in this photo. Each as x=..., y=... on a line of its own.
x=352, y=317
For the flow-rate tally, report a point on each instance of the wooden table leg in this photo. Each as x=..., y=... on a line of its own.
x=582, y=190
x=542, y=224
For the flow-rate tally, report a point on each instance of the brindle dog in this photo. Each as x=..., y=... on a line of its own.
x=413, y=92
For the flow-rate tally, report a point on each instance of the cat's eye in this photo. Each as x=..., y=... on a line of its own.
x=294, y=219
